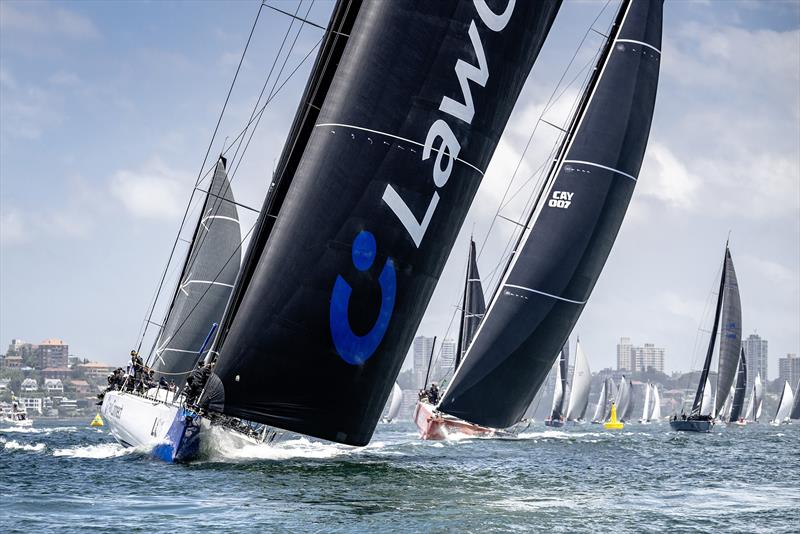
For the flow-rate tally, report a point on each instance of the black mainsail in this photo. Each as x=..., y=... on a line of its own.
x=730, y=344
x=741, y=389
x=473, y=305
x=205, y=283
x=570, y=232
x=402, y=113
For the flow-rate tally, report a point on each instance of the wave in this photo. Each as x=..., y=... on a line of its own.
x=17, y=446
x=30, y=430
x=102, y=451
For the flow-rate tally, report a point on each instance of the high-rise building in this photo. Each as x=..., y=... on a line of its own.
x=446, y=360
x=53, y=353
x=789, y=369
x=649, y=358
x=625, y=361
x=755, y=351
x=422, y=354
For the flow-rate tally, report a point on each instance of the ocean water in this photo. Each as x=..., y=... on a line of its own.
x=63, y=476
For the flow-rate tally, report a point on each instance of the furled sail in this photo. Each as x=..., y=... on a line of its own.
x=741, y=388
x=600, y=409
x=730, y=342
x=473, y=305
x=784, y=405
x=401, y=115
x=205, y=283
x=795, y=413
x=646, y=404
x=655, y=414
x=395, y=402
x=581, y=384
x=570, y=232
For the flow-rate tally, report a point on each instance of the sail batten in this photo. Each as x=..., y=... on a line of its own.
x=560, y=255
x=205, y=283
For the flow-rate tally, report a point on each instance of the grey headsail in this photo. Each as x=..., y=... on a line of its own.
x=560, y=391
x=569, y=233
x=795, y=413
x=205, y=283
x=741, y=389
x=473, y=305
x=730, y=341
x=402, y=113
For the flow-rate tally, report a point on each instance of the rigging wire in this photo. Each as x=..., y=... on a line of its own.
x=197, y=182
x=254, y=118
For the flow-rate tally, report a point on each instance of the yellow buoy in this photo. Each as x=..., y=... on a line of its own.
x=613, y=423
x=97, y=421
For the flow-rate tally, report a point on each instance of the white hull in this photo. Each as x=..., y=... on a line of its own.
x=16, y=422
x=135, y=421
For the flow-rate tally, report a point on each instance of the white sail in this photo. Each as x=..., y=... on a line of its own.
x=785, y=404
x=646, y=403
x=707, y=406
x=758, y=393
x=599, y=411
x=581, y=383
x=624, y=397
x=726, y=410
x=655, y=414
x=395, y=402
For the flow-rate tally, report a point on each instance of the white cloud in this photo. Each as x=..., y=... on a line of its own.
x=12, y=228
x=152, y=192
x=665, y=178
x=44, y=19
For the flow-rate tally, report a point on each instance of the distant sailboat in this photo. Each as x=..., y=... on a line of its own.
x=655, y=412
x=395, y=402
x=581, y=385
x=600, y=408
x=646, y=410
x=624, y=404
x=736, y=415
x=557, y=415
x=754, y=405
x=784, y=405
x=569, y=232
x=729, y=310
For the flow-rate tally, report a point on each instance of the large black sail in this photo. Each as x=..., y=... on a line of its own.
x=205, y=283
x=730, y=340
x=741, y=388
x=473, y=305
x=559, y=258
x=332, y=294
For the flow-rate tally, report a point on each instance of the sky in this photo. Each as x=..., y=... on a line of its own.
x=107, y=110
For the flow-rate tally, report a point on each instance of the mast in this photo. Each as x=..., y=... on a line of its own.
x=570, y=231
x=698, y=398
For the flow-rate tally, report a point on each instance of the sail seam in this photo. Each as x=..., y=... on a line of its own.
x=639, y=42
x=545, y=294
x=625, y=174
x=395, y=137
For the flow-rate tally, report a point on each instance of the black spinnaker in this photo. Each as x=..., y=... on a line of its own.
x=570, y=232
x=205, y=282
x=371, y=190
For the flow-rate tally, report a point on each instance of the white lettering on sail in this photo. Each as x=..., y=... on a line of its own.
x=492, y=20
x=448, y=148
x=466, y=73
x=560, y=199
x=415, y=229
